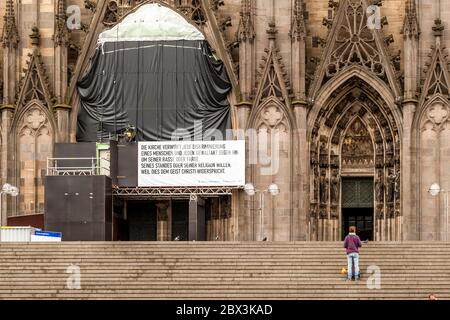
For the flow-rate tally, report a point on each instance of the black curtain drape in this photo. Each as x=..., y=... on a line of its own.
x=156, y=87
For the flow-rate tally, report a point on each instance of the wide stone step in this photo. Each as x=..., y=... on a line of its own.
x=217, y=270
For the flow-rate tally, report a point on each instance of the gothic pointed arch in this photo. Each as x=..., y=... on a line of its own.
x=351, y=42
x=33, y=130
x=354, y=133
x=109, y=13
x=353, y=75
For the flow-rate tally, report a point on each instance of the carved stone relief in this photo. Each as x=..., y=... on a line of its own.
x=357, y=148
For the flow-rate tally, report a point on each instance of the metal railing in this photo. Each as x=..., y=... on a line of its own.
x=78, y=166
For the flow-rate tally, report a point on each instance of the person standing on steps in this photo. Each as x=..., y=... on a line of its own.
x=352, y=243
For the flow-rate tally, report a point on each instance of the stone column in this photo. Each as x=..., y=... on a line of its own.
x=411, y=32
x=300, y=152
x=9, y=75
x=61, y=42
x=241, y=201
x=6, y=158
x=62, y=113
x=301, y=172
x=162, y=228
x=10, y=39
x=246, y=35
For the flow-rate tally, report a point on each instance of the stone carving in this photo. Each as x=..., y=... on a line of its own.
x=397, y=186
x=391, y=186
x=379, y=187
x=313, y=212
x=61, y=36
x=323, y=187
x=334, y=160
x=272, y=115
x=323, y=214
x=335, y=181
x=357, y=148
x=390, y=211
x=316, y=190
x=334, y=212
x=246, y=29
x=323, y=157
x=438, y=113
x=35, y=118
x=10, y=34
x=411, y=23
x=313, y=153
x=379, y=212
x=298, y=29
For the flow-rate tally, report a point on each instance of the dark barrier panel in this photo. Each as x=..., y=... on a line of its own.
x=75, y=150
x=34, y=220
x=113, y=156
x=79, y=207
x=127, y=165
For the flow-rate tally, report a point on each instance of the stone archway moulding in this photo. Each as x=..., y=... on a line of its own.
x=330, y=87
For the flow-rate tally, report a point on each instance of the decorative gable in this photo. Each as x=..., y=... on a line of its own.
x=34, y=85
x=438, y=78
x=351, y=41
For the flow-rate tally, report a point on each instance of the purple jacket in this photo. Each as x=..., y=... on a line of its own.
x=352, y=243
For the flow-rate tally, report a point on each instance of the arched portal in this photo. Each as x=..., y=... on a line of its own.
x=355, y=166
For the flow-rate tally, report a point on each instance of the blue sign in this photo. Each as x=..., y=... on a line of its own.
x=48, y=234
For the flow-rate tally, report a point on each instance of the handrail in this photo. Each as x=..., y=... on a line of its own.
x=95, y=166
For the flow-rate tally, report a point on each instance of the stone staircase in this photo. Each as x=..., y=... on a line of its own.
x=216, y=270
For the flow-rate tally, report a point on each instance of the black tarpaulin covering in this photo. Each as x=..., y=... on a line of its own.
x=156, y=87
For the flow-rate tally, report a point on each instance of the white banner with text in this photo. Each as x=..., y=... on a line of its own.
x=191, y=164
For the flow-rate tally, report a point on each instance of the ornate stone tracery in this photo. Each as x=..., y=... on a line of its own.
x=352, y=43
x=355, y=43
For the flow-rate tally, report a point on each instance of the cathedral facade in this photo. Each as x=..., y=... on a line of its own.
x=357, y=92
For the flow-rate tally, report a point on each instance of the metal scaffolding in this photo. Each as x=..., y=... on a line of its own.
x=175, y=192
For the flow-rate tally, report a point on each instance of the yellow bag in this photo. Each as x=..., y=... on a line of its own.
x=343, y=271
